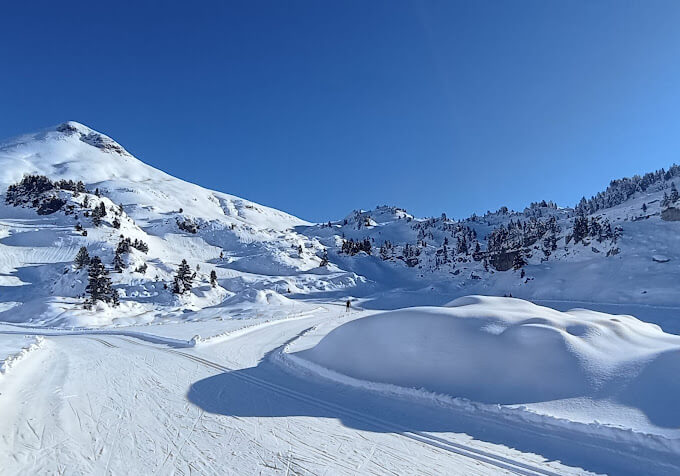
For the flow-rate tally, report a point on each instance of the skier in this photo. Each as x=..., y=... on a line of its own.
x=347, y=306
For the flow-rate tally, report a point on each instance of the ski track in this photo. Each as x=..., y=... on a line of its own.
x=84, y=411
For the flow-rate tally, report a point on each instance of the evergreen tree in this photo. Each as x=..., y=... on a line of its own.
x=580, y=228
x=99, y=284
x=213, y=278
x=324, y=258
x=519, y=261
x=96, y=216
x=82, y=259
x=674, y=196
x=183, y=279
x=118, y=263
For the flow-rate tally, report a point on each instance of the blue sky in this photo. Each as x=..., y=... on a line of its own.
x=319, y=107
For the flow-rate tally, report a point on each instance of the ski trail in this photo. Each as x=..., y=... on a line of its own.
x=483, y=456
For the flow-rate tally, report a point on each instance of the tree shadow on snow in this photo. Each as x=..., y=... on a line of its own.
x=267, y=391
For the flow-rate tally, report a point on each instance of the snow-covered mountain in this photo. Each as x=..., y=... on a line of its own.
x=619, y=247
x=622, y=246
x=255, y=252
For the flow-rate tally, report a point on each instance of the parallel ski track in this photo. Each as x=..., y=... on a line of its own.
x=483, y=456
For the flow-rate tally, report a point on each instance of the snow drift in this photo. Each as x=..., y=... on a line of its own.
x=509, y=351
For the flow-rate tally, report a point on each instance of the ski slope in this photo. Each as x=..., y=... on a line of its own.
x=223, y=408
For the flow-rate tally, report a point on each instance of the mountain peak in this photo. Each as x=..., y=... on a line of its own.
x=71, y=127
x=91, y=137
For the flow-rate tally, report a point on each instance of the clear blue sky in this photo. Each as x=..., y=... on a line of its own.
x=319, y=107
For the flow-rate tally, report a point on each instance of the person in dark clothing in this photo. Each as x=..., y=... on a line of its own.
x=347, y=306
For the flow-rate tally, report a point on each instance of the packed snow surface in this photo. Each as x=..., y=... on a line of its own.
x=580, y=364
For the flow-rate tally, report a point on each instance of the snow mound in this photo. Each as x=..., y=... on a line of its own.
x=509, y=351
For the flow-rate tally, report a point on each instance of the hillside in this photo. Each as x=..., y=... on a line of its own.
x=256, y=255
x=618, y=247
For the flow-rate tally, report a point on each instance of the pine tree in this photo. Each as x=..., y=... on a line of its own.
x=519, y=260
x=99, y=284
x=183, y=279
x=580, y=228
x=674, y=196
x=118, y=263
x=324, y=258
x=96, y=216
x=213, y=278
x=82, y=259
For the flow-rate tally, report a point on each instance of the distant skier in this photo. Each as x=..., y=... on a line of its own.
x=347, y=304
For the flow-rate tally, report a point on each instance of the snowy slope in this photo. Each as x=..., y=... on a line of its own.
x=589, y=372
x=417, y=261
x=385, y=256
x=253, y=249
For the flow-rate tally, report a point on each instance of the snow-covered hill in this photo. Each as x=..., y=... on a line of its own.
x=255, y=252
x=619, y=247
x=628, y=251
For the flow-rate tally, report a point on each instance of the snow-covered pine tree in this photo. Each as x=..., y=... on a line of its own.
x=183, y=278
x=82, y=259
x=99, y=285
x=324, y=258
x=213, y=278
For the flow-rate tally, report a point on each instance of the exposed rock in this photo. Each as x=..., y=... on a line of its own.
x=670, y=214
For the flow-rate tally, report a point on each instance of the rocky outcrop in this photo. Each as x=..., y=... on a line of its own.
x=670, y=214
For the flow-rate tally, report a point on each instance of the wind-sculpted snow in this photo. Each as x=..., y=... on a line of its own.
x=581, y=365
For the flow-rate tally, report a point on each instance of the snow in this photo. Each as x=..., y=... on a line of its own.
x=15, y=348
x=580, y=365
x=266, y=373
x=253, y=249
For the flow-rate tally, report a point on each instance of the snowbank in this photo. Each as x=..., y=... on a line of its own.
x=15, y=348
x=581, y=365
